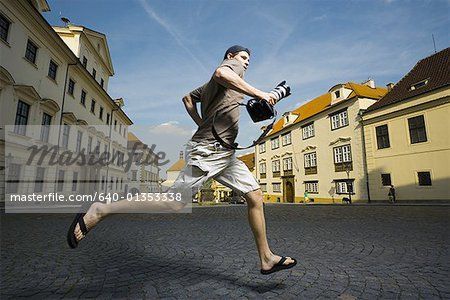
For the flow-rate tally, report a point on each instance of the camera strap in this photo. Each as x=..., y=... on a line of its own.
x=235, y=146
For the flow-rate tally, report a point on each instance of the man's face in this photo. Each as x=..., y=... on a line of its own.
x=243, y=57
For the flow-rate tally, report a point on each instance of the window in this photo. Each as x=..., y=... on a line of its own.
x=286, y=139
x=89, y=147
x=276, y=187
x=275, y=142
x=339, y=119
x=65, y=137
x=22, y=112
x=386, y=180
x=39, y=183
x=83, y=98
x=120, y=128
x=31, y=52
x=79, y=140
x=424, y=178
x=262, y=170
x=310, y=163
x=115, y=124
x=308, y=131
x=382, y=136
x=417, y=132
x=71, y=86
x=45, y=129
x=102, y=82
x=61, y=175
x=108, y=116
x=93, y=106
x=342, y=154
x=287, y=164
x=52, y=69
x=263, y=187
x=344, y=187
x=419, y=85
x=337, y=94
x=84, y=61
x=134, y=175
x=4, y=28
x=97, y=148
x=12, y=185
x=262, y=147
x=343, y=158
x=100, y=114
x=94, y=72
x=276, y=168
x=74, y=181
x=312, y=187
x=103, y=181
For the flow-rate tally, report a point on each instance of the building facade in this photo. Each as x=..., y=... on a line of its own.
x=407, y=134
x=143, y=174
x=53, y=93
x=315, y=152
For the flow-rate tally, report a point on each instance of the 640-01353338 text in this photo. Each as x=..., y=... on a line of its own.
x=154, y=197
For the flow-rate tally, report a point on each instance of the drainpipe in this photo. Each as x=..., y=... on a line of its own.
x=364, y=156
x=60, y=119
x=109, y=148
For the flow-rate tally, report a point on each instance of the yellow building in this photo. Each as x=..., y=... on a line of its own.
x=173, y=171
x=54, y=91
x=407, y=134
x=317, y=148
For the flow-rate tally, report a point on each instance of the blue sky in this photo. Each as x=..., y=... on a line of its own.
x=163, y=49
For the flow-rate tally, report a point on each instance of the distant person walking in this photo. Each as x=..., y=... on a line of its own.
x=391, y=194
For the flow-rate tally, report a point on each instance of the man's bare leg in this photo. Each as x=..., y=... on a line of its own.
x=99, y=211
x=257, y=223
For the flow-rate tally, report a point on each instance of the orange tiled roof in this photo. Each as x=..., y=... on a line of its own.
x=249, y=160
x=365, y=91
x=322, y=102
x=178, y=166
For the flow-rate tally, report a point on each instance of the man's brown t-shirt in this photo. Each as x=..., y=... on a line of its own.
x=217, y=98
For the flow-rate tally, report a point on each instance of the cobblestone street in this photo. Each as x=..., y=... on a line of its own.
x=345, y=252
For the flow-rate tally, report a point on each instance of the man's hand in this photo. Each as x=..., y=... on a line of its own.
x=269, y=97
x=192, y=109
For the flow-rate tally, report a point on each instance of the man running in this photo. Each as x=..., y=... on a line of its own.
x=206, y=158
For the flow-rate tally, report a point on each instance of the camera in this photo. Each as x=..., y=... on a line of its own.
x=260, y=110
x=281, y=91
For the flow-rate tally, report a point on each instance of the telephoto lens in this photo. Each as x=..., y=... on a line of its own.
x=281, y=91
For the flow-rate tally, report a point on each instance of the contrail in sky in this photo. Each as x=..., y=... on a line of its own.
x=152, y=14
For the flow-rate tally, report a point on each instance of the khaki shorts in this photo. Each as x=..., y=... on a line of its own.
x=205, y=161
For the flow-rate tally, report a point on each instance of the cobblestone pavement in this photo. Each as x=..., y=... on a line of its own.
x=344, y=252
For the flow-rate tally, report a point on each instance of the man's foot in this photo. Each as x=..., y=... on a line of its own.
x=273, y=259
x=93, y=215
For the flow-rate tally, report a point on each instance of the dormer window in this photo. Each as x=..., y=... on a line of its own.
x=337, y=94
x=418, y=85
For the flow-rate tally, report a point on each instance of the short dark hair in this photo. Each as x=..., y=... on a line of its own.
x=235, y=49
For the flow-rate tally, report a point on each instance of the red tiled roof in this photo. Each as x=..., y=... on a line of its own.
x=434, y=68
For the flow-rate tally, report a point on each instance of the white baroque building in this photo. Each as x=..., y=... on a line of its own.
x=54, y=92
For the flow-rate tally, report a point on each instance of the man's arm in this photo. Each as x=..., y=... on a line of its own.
x=191, y=108
x=229, y=79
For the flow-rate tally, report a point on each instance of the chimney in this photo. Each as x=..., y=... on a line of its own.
x=181, y=155
x=369, y=82
x=389, y=86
